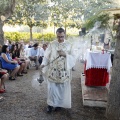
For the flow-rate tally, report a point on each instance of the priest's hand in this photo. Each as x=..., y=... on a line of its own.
x=62, y=53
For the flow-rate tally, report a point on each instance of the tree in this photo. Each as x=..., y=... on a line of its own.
x=30, y=13
x=93, y=7
x=64, y=10
x=103, y=17
x=6, y=10
x=113, y=107
x=77, y=10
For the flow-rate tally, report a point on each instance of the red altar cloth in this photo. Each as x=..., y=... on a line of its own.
x=96, y=77
x=97, y=68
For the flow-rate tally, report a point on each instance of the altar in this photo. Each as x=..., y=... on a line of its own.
x=97, y=68
x=95, y=78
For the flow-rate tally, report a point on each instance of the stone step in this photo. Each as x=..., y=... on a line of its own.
x=93, y=96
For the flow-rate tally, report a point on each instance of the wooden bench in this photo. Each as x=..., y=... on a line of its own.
x=93, y=96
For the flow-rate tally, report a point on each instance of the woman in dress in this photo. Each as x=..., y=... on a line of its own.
x=8, y=63
x=14, y=55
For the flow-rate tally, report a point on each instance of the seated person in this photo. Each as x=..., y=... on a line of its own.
x=3, y=76
x=42, y=52
x=24, y=57
x=8, y=63
x=14, y=55
x=33, y=55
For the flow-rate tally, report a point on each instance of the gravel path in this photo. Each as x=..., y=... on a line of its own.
x=23, y=101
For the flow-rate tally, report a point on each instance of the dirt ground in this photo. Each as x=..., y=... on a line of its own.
x=24, y=101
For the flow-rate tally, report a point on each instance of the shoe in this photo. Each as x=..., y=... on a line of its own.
x=57, y=109
x=2, y=91
x=73, y=69
x=49, y=109
x=36, y=67
x=19, y=75
x=12, y=78
x=1, y=98
x=24, y=72
x=28, y=67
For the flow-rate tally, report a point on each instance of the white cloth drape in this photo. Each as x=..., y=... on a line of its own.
x=98, y=60
x=59, y=94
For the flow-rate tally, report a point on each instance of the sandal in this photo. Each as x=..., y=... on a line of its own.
x=19, y=75
x=27, y=67
x=12, y=78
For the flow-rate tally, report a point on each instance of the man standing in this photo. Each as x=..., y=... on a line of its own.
x=58, y=62
x=34, y=54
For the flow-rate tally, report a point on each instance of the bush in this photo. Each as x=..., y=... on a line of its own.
x=17, y=36
x=49, y=37
x=25, y=36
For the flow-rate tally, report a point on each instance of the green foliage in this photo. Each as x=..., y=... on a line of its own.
x=104, y=18
x=30, y=12
x=14, y=36
x=71, y=35
x=18, y=36
x=4, y=5
x=63, y=11
x=49, y=37
x=79, y=9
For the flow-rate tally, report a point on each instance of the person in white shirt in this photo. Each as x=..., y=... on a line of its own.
x=42, y=52
x=34, y=54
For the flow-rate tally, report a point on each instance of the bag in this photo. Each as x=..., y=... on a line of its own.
x=3, y=72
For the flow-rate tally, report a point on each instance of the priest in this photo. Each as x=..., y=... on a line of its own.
x=57, y=63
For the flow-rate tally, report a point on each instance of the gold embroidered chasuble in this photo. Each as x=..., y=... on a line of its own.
x=58, y=69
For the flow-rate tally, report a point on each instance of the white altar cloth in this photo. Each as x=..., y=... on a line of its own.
x=98, y=60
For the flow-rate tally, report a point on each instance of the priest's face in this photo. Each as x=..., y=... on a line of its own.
x=60, y=36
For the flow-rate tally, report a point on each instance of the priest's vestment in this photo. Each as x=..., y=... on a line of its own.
x=58, y=73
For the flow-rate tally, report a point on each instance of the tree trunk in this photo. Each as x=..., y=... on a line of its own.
x=30, y=33
x=6, y=13
x=113, y=107
x=1, y=33
x=10, y=9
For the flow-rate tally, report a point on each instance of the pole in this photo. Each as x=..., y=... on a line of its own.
x=54, y=28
